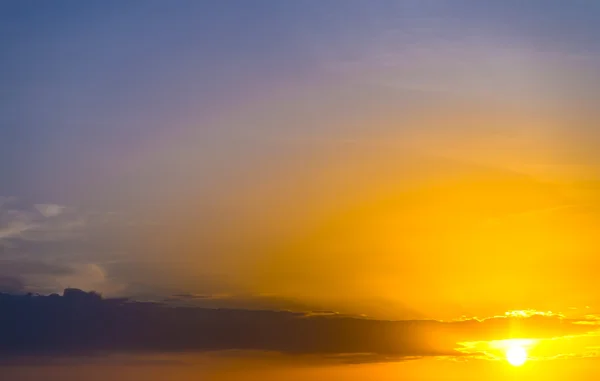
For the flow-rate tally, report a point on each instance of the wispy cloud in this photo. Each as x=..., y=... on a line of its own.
x=47, y=247
x=38, y=222
x=50, y=210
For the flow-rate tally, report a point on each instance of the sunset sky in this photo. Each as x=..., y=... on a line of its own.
x=405, y=189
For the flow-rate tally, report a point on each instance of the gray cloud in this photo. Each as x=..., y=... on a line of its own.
x=47, y=247
x=81, y=323
x=50, y=210
x=39, y=222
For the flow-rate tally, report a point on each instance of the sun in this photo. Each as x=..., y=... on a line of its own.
x=516, y=355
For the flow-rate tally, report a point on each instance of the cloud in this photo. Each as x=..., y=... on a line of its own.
x=13, y=224
x=37, y=276
x=89, y=276
x=50, y=210
x=40, y=222
x=21, y=222
x=83, y=323
x=48, y=247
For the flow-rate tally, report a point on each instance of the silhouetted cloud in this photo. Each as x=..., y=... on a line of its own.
x=84, y=323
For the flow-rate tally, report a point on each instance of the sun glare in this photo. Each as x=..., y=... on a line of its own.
x=516, y=355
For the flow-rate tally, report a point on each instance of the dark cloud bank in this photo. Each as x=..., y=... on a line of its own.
x=85, y=323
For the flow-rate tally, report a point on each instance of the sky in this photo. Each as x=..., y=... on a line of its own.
x=367, y=166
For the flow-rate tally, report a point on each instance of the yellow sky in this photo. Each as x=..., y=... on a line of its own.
x=271, y=370
x=445, y=212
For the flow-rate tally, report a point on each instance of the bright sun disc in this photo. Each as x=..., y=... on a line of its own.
x=516, y=355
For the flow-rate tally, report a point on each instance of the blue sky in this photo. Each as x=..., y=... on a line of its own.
x=85, y=79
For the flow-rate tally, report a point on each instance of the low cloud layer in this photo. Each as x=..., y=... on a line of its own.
x=84, y=323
